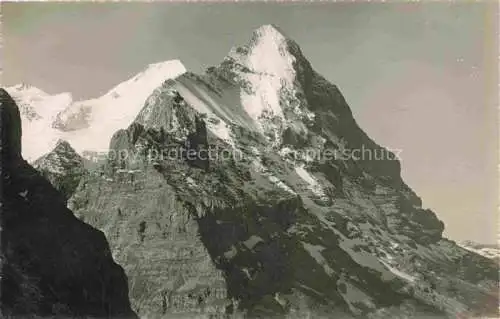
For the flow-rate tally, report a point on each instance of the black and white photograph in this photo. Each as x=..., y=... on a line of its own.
x=249, y=159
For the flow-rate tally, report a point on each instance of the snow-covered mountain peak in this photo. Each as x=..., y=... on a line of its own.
x=269, y=29
x=26, y=87
x=270, y=69
x=271, y=33
x=36, y=100
x=24, y=93
x=169, y=65
x=38, y=110
x=267, y=53
x=153, y=75
x=88, y=124
x=347, y=233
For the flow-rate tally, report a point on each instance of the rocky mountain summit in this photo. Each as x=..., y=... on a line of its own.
x=53, y=265
x=63, y=167
x=227, y=197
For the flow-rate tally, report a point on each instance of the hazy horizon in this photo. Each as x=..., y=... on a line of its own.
x=418, y=77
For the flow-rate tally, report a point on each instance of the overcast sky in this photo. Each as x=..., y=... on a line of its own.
x=418, y=77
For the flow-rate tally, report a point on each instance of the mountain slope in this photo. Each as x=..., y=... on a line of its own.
x=279, y=214
x=86, y=125
x=53, y=265
x=488, y=251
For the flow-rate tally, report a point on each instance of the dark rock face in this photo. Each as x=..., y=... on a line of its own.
x=52, y=263
x=266, y=233
x=11, y=129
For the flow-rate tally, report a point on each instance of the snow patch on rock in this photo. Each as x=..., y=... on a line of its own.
x=260, y=168
x=215, y=123
x=314, y=185
x=315, y=252
x=271, y=66
x=354, y=296
x=399, y=273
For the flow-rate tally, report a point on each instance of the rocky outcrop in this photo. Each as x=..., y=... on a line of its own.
x=76, y=118
x=282, y=219
x=62, y=167
x=154, y=233
x=157, y=240
x=53, y=265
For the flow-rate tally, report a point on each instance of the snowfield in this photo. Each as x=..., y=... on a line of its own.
x=86, y=125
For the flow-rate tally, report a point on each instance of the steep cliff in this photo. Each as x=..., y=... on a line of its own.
x=251, y=191
x=53, y=265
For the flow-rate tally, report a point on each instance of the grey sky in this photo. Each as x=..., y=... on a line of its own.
x=418, y=77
